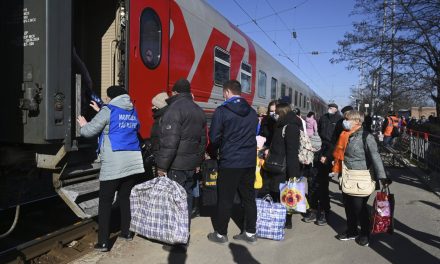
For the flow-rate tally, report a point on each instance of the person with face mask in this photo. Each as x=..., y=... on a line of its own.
x=357, y=150
x=319, y=199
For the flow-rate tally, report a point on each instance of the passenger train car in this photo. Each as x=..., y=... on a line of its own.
x=60, y=54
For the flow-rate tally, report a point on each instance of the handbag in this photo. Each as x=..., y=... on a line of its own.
x=293, y=194
x=209, y=171
x=271, y=218
x=358, y=183
x=383, y=212
x=276, y=164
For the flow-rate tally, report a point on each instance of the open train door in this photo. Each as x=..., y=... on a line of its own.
x=149, y=27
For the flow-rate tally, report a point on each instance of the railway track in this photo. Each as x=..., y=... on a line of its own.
x=61, y=246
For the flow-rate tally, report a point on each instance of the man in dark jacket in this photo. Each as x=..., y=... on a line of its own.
x=182, y=139
x=233, y=135
x=319, y=198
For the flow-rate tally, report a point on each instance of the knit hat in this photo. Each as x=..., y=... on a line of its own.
x=159, y=100
x=261, y=110
x=347, y=108
x=182, y=86
x=115, y=91
x=333, y=105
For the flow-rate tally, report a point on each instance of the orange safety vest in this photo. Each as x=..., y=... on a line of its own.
x=393, y=122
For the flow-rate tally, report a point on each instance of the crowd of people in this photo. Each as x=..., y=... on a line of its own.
x=181, y=141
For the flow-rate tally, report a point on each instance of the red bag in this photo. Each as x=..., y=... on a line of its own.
x=383, y=211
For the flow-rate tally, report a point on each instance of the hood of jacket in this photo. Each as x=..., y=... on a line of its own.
x=179, y=96
x=122, y=101
x=238, y=105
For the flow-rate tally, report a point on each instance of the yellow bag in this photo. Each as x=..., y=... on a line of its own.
x=258, y=179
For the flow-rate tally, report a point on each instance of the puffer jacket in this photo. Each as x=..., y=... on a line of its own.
x=326, y=130
x=182, y=134
x=233, y=133
x=114, y=164
x=360, y=156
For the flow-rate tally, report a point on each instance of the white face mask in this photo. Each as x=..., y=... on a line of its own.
x=276, y=117
x=271, y=113
x=346, y=124
x=330, y=111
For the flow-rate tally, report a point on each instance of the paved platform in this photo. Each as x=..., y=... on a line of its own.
x=416, y=238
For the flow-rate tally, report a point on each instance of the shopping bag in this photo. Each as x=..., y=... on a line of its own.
x=383, y=212
x=159, y=211
x=271, y=218
x=293, y=194
x=209, y=177
x=258, y=179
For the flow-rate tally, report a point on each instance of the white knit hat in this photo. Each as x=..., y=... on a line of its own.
x=159, y=100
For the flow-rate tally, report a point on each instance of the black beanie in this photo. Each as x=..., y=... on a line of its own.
x=115, y=91
x=347, y=108
x=182, y=86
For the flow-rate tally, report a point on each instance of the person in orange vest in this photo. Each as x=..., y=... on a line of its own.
x=390, y=128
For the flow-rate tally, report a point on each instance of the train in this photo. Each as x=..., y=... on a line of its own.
x=58, y=55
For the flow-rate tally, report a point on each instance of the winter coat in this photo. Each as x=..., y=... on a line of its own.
x=114, y=164
x=360, y=156
x=288, y=147
x=155, y=129
x=182, y=134
x=267, y=128
x=233, y=134
x=311, y=126
x=326, y=129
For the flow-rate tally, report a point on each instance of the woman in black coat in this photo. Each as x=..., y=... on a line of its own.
x=268, y=123
x=283, y=146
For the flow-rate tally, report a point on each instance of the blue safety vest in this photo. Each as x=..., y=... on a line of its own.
x=123, y=128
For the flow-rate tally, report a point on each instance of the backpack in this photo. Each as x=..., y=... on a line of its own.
x=305, y=152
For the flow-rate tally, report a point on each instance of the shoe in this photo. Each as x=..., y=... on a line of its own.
x=309, y=217
x=128, y=237
x=321, y=221
x=101, y=247
x=249, y=239
x=213, y=237
x=363, y=241
x=288, y=224
x=345, y=237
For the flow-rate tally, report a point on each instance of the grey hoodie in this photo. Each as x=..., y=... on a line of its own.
x=114, y=164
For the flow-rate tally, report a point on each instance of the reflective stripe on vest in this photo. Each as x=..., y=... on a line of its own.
x=123, y=129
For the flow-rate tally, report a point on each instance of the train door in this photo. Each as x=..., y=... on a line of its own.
x=148, y=55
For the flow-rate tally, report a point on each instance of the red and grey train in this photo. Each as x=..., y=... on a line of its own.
x=59, y=53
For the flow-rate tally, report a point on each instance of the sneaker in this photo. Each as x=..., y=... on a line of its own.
x=309, y=217
x=321, y=221
x=249, y=239
x=128, y=237
x=214, y=237
x=101, y=247
x=363, y=241
x=345, y=237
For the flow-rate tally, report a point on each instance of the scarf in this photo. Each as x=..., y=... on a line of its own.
x=339, y=152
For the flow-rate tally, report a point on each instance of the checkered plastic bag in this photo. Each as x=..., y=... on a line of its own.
x=271, y=218
x=159, y=211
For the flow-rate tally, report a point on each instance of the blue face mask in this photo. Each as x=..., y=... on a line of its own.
x=346, y=124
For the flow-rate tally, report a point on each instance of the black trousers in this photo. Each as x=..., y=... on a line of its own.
x=318, y=187
x=107, y=190
x=228, y=182
x=356, y=212
x=187, y=181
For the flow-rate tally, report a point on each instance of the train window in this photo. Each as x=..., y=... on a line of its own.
x=222, y=64
x=150, y=38
x=283, y=90
x=273, y=89
x=262, y=78
x=296, y=98
x=300, y=99
x=246, y=77
x=290, y=94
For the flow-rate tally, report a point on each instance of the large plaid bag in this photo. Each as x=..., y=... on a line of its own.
x=159, y=211
x=271, y=218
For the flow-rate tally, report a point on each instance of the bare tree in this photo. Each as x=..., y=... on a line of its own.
x=398, y=40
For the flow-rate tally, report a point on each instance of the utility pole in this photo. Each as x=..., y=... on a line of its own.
x=393, y=32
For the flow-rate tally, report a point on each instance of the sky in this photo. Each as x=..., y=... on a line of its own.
x=318, y=24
